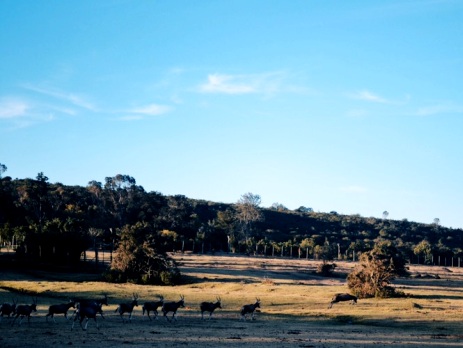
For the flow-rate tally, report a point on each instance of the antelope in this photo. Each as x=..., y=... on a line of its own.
x=60, y=309
x=343, y=297
x=96, y=302
x=209, y=307
x=127, y=307
x=250, y=308
x=153, y=306
x=87, y=311
x=25, y=311
x=100, y=301
x=173, y=307
x=8, y=309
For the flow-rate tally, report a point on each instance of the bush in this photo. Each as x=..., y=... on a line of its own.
x=326, y=269
x=138, y=260
x=376, y=269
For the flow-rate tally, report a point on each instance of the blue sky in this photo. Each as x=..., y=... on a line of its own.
x=351, y=106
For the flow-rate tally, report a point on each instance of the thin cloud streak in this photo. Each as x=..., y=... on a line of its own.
x=151, y=110
x=12, y=108
x=227, y=84
x=69, y=97
x=267, y=83
x=439, y=109
x=368, y=96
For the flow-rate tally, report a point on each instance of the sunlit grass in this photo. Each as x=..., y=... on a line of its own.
x=437, y=307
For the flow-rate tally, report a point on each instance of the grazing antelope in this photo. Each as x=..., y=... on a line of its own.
x=127, y=307
x=209, y=307
x=8, y=309
x=173, y=307
x=25, y=311
x=153, y=306
x=250, y=308
x=60, y=309
x=343, y=297
x=87, y=311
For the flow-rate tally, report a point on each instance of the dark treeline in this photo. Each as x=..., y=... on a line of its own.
x=56, y=223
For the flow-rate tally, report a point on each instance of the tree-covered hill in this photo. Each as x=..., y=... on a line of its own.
x=53, y=222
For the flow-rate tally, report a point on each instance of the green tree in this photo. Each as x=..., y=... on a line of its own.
x=424, y=249
x=377, y=268
x=141, y=258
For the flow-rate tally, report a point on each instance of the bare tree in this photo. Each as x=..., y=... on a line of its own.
x=248, y=212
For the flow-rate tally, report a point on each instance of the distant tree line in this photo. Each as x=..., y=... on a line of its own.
x=55, y=223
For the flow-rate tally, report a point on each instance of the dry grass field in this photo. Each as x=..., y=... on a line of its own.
x=294, y=308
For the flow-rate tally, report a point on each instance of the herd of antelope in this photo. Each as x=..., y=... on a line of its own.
x=90, y=309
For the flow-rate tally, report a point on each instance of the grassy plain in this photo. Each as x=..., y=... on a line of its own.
x=294, y=308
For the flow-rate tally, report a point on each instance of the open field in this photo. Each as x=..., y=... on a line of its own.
x=294, y=309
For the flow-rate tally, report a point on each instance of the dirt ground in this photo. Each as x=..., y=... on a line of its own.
x=222, y=331
x=226, y=329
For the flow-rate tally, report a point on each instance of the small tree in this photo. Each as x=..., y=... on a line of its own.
x=376, y=269
x=424, y=248
x=141, y=258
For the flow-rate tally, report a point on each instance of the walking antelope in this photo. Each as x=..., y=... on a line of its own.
x=8, y=309
x=153, y=307
x=173, y=307
x=60, y=309
x=250, y=308
x=127, y=307
x=209, y=307
x=91, y=302
x=87, y=311
x=99, y=301
x=25, y=311
x=343, y=297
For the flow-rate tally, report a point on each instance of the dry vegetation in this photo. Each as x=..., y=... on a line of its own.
x=294, y=309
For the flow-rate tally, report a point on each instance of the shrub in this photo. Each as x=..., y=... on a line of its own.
x=139, y=260
x=326, y=269
x=376, y=269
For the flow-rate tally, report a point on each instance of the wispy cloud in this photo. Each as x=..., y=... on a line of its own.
x=368, y=96
x=19, y=113
x=13, y=108
x=77, y=101
x=228, y=84
x=444, y=108
x=265, y=83
x=151, y=110
x=72, y=98
x=142, y=112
